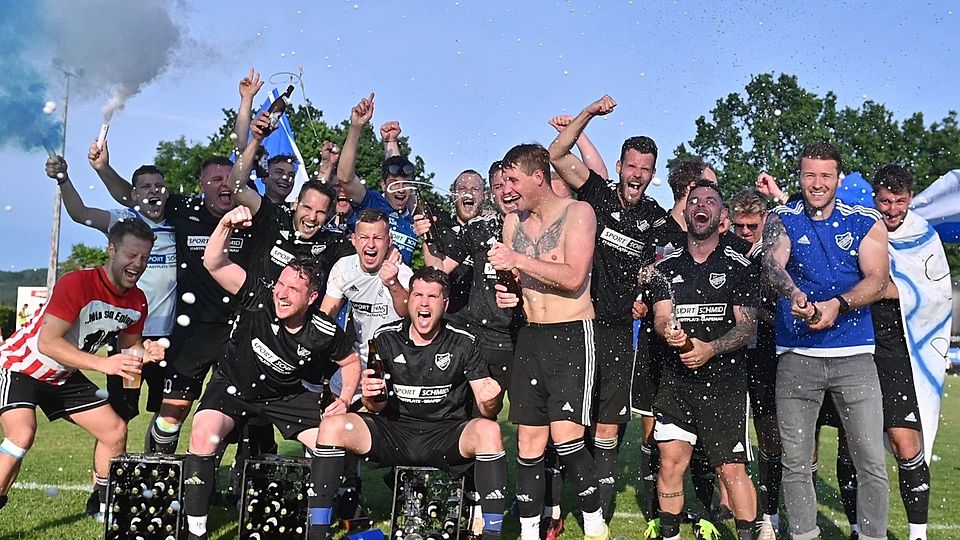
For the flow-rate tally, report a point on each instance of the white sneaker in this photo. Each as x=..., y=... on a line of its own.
x=767, y=532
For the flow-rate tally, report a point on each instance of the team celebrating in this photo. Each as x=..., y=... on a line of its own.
x=310, y=318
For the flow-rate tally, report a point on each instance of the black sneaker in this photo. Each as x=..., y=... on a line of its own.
x=93, y=504
x=349, y=505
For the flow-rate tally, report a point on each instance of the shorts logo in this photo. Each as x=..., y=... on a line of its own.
x=399, y=359
x=442, y=360
x=717, y=280
x=844, y=241
x=523, y=497
x=494, y=495
x=677, y=279
x=738, y=447
x=566, y=407
x=623, y=411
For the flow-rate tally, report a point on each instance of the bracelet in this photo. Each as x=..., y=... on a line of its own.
x=844, y=305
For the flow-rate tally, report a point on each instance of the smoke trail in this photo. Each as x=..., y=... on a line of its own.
x=120, y=46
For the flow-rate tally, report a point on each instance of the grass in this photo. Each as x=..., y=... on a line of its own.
x=62, y=457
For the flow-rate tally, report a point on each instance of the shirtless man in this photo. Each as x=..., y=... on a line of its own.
x=548, y=245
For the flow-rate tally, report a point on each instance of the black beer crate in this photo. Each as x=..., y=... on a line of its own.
x=427, y=504
x=144, y=497
x=274, y=499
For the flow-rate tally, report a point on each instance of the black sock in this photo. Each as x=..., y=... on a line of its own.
x=771, y=470
x=491, y=481
x=746, y=529
x=325, y=477
x=847, y=480
x=530, y=486
x=669, y=524
x=605, y=453
x=3, y=501
x=704, y=481
x=554, y=477
x=100, y=486
x=915, y=488
x=199, y=474
x=576, y=460
x=163, y=442
x=649, y=468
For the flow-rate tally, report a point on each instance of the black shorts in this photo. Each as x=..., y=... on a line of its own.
x=647, y=370
x=415, y=443
x=762, y=382
x=126, y=401
x=290, y=414
x=615, y=358
x=713, y=417
x=500, y=362
x=76, y=394
x=893, y=367
x=194, y=349
x=553, y=374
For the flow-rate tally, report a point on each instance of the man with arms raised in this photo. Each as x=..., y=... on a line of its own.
x=827, y=262
x=40, y=363
x=435, y=370
x=624, y=220
x=276, y=340
x=548, y=245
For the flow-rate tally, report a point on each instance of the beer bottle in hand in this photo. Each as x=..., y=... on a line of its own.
x=687, y=345
x=376, y=364
x=278, y=107
x=423, y=209
x=508, y=280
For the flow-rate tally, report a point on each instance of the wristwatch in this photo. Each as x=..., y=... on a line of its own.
x=844, y=305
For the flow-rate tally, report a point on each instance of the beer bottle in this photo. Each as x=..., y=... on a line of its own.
x=423, y=209
x=687, y=345
x=376, y=364
x=508, y=280
x=278, y=107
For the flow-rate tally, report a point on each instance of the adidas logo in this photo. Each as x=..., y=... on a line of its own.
x=804, y=240
x=738, y=447
x=566, y=407
x=650, y=477
x=523, y=497
x=911, y=417
x=608, y=480
x=588, y=491
x=921, y=487
x=399, y=359
x=193, y=481
x=615, y=215
x=677, y=279
x=494, y=495
x=623, y=411
x=353, y=288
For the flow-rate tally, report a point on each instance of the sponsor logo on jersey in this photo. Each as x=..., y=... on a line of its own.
x=489, y=272
x=199, y=242
x=717, y=280
x=804, y=240
x=643, y=225
x=170, y=259
x=270, y=358
x=421, y=394
x=370, y=309
x=442, y=360
x=701, y=312
x=302, y=351
x=621, y=242
x=677, y=279
x=280, y=257
x=844, y=241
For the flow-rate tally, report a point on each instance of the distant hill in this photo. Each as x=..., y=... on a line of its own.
x=9, y=281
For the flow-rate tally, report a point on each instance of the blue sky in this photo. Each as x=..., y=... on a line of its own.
x=467, y=80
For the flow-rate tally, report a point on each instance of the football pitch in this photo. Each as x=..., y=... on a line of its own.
x=47, y=501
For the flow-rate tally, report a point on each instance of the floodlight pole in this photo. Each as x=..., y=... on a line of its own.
x=57, y=197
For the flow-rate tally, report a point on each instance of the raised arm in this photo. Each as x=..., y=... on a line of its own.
x=329, y=157
x=390, y=134
x=588, y=152
x=117, y=186
x=249, y=86
x=569, y=166
x=389, y=276
x=79, y=212
x=352, y=185
x=240, y=172
x=216, y=259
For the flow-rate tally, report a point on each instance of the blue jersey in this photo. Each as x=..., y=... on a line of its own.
x=824, y=262
x=401, y=223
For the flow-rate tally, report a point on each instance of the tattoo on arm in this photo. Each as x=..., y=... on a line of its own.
x=547, y=241
x=741, y=334
x=780, y=281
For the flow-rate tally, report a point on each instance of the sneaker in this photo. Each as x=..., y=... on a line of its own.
x=552, y=528
x=605, y=535
x=653, y=529
x=767, y=532
x=705, y=530
x=93, y=504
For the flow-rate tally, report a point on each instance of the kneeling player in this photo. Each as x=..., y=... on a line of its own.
x=276, y=340
x=426, y=418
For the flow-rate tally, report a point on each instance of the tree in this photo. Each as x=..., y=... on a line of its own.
x=765, y=130
x=83, y=256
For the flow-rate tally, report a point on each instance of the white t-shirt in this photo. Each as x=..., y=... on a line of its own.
x=159, y=280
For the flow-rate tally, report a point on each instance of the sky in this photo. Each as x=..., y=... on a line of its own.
x=466, y=80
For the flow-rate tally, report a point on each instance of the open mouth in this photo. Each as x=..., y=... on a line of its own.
x=701, y=218
x=468, y=202
x=369, y=256
x=225, y=196
x=132, y=274
x=424, y=317
x=283, y=303
x=308, y=227
x=636, y=186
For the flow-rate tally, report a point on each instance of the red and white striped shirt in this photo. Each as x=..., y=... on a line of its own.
x=98, y=312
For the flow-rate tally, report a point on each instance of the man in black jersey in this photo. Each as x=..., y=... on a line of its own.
x=436, y=371
x=624, y=220
x=276, y=339
x=704, y=307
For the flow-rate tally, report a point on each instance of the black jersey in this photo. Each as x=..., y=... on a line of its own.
x=624, y=246
x=265, y=361
x=704, y=295
x=448, y=231
x=432, y=382
x=276, y=242
x=495, y=327
x=193, y=224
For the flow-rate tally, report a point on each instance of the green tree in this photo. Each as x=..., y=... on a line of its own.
x=83, y=256
x=765, y=127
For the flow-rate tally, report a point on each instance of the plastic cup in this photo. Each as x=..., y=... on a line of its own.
x=137, y=381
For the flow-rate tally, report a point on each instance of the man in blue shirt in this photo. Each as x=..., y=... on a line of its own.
x=827, y=262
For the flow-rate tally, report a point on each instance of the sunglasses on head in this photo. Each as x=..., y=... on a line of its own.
x=750, y=226
x=395, y=170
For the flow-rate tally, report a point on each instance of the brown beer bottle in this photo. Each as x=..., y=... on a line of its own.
x=687, y=345
x=376, y=364
x=279, y=106
x=423, y=209
x=508, y=280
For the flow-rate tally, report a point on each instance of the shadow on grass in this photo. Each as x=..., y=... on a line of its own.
x=44, y=527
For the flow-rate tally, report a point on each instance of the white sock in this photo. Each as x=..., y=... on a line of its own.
x=593, y=524
x=103, y=508
x=530, y=528
x=197, y=525
x=918, y=531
